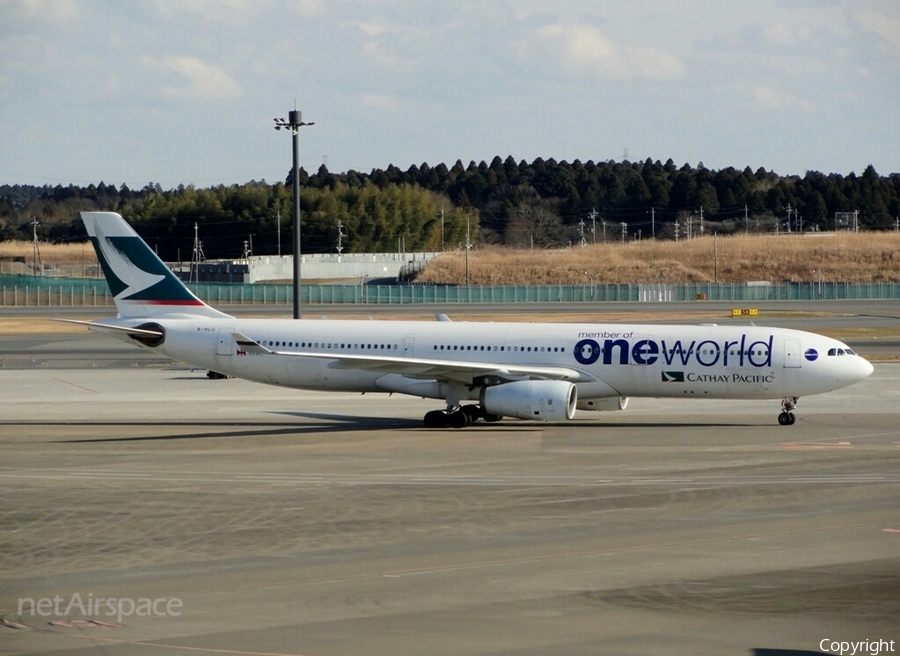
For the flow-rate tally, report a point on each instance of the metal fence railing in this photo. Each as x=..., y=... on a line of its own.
x=38, y=291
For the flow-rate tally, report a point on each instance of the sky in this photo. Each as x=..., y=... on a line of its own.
x=185, y=91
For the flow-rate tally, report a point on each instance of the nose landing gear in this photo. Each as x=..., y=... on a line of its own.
x=787, y=418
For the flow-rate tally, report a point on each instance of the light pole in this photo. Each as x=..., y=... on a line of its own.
x=293, y=123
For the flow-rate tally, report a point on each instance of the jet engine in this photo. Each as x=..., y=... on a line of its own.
x=531, y=399
x=147, y=339
x=604, y=404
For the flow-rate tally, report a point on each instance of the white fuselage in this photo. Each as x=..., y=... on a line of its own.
x=640, y=360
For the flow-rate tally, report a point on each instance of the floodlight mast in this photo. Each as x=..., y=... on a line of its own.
x=293, y=123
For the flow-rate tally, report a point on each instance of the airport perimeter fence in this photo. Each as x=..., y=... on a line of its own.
x=38, y=291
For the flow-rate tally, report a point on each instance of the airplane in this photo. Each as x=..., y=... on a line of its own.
x=536, y=371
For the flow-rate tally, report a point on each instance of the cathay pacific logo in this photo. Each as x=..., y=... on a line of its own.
x=673, y=376
x=129, y=279
x=134, y=273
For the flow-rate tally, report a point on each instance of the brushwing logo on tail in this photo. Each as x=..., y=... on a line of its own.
x=125, y=279
x=134, y=273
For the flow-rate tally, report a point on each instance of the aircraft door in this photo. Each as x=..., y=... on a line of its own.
x=792, y=354
x=409, y=344
x=226, y=342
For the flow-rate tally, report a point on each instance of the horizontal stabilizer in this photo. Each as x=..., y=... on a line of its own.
x=103, y=327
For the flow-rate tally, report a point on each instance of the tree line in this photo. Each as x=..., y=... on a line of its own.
x=544, y=203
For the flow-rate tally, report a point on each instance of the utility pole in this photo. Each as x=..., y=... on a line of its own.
x=593, y=226
x=653, y=221
x=624, y=231
x=603, y=221
x=442, y=230
x=293, y=123
x=677, y=226
x=746, y=222
x=701, y=220
x=278, y=223
x=341, y=236
x=37, y=261
x=468, y=245
x=581, y=231
x=196, y=257
x=716, y=254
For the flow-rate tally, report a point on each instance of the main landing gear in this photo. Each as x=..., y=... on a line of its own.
x=458, y=417
x=787, y=418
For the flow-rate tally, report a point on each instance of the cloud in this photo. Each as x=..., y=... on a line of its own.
x=765, y=98
x=778, y=34
x=206, y=80
x=885, y=26
x=584, y=49
x=379, y=101
x=372, y=28
x=654, y=64
x=47, y=11
x=309, y=8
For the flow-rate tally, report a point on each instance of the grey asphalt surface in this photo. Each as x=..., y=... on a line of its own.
x=292, y=522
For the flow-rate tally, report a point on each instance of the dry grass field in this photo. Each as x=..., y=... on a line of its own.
x=57, y=254
x=867, y=257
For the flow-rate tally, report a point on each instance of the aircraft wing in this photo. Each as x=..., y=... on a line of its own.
x=425, y=368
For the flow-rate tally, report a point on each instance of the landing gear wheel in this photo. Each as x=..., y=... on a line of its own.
x=787, y=419
x=436, y=419
x=489, y=418
x=459, y=419
x=473, y=411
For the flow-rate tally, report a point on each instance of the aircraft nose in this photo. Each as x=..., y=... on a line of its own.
x=865, y=368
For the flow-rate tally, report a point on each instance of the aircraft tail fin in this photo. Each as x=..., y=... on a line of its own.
x=141, y=284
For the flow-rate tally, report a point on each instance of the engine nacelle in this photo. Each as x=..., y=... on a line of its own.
x=604, y=404
x=531, y=399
